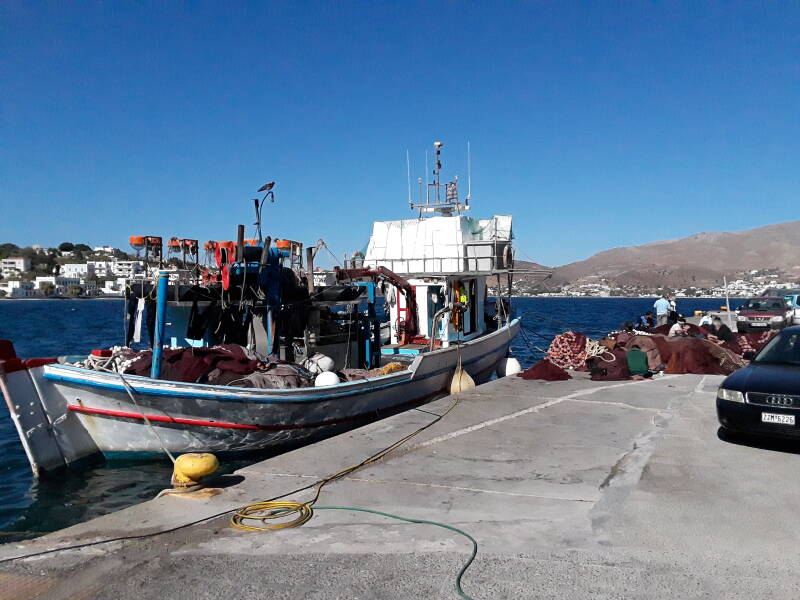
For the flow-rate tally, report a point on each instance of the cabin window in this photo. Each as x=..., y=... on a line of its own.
x=473, y=308
x=436, y=302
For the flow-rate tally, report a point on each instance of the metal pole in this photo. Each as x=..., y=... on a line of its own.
x=310, y=270
x=372, y=346
x=727, y=301
x=161, y=315
x=240, y=244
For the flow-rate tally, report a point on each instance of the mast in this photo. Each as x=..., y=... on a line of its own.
x=434, y=203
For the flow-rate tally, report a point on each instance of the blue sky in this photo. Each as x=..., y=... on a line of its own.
x=595, y=124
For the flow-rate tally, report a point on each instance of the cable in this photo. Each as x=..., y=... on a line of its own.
x=143, y=535
x=268, y=510
x=556, y=321
x=320, y=483
x=464, y=567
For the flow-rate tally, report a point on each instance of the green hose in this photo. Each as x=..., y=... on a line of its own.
x=464, y=568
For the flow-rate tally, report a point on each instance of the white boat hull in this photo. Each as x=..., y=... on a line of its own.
x=79, y=412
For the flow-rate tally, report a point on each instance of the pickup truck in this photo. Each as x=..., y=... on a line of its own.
x=763, y=313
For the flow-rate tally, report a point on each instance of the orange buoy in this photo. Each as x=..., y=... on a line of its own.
x=136, y=242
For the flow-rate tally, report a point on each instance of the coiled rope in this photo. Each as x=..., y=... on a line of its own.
x=258, y=516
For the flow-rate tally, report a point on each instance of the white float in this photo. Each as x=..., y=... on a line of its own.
x=508, y=366
x=326, y=378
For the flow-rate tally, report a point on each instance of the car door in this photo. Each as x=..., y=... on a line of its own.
x=794, y=303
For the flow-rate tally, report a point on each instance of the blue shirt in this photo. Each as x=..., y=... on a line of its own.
x=661, y=306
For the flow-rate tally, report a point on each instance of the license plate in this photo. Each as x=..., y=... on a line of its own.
x=758, y=324
x=780, y=419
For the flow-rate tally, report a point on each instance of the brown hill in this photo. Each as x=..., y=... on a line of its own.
x=699, y=260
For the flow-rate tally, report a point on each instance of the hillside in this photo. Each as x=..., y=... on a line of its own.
x=698, y=260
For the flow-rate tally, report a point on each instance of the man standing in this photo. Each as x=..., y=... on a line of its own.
x=662, y=307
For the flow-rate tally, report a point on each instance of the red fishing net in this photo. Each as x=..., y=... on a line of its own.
x=568, y=351
x=545, y=370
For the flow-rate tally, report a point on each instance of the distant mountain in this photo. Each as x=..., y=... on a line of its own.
x=698, y=260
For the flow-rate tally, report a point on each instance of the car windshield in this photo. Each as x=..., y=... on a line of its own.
x=764, y=304
x=783, y=349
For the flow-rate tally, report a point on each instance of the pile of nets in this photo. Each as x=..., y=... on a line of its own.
x=545, y=371
x=568, y=350
x=226, y=364
x=606, y=359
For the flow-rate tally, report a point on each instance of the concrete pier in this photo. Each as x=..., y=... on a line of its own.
x=573, y=489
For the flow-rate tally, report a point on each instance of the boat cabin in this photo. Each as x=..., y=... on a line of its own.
x=446, y=260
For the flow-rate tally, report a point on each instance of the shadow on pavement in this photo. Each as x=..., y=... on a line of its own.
x=760, y=442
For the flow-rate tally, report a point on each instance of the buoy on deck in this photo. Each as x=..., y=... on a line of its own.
x=190, y=468
x=508, y=366
x=326, y=378
x=319, y=363
x=461, y=381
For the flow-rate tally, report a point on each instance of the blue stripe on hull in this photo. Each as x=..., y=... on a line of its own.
x=254, y=399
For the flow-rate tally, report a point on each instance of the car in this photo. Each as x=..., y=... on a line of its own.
x=793, y=300
x=764, y=397
x=764, y=313
x=792, y=297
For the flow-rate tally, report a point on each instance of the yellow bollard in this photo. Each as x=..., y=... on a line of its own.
x=190, y=468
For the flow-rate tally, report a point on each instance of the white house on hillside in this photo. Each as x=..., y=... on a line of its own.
x=77, y=270
x=127, y=268
x=14, y=266
x=60, y=283
x=18, y=289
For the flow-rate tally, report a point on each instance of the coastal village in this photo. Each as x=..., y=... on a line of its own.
x=742, y=285
x=83, y=271
x=69, y=271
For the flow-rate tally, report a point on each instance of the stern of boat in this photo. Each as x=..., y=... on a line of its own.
x=51, y=437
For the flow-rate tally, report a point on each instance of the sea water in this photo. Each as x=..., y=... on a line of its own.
x=38, y=328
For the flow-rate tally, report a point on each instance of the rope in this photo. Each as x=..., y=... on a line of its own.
x=130, y=391
x=529, y=343
x=594, y=348
x=336, y=258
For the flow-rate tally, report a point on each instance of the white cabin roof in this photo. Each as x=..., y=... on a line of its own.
x=440, y=245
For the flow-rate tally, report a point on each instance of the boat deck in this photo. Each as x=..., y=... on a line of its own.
x=573, y=489
x=403, y=349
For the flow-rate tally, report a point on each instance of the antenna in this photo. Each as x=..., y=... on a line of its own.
x=437, y=167
x=469, y=176
x=408, y=178
x=427, y=189
x=450, y=203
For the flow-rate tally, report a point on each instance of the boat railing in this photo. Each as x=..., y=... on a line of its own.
x=475, y=257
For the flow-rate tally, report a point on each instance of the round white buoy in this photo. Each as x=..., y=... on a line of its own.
x=326, y=378
x=508, y=366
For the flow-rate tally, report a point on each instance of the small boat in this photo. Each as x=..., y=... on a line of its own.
x=432, y=272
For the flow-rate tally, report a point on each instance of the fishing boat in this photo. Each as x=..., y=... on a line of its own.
x=260, y=304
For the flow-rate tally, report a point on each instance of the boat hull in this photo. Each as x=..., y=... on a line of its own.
x=92, y=412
